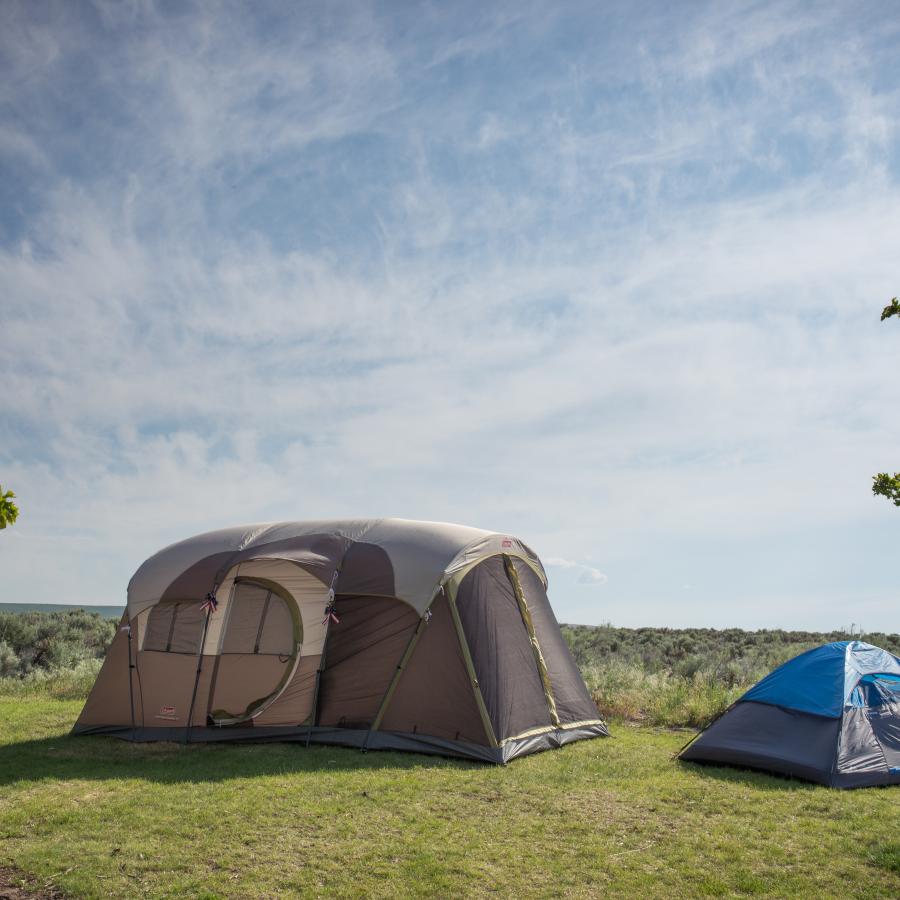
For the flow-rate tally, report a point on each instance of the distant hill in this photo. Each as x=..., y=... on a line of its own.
x=108, y=612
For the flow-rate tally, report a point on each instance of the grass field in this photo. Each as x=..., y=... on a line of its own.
x=617, y=817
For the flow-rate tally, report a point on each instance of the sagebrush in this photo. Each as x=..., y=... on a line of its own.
x=661, y=676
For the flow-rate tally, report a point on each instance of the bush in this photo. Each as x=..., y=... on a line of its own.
x=660, y=676
x=9, y=661
x=52, y=641
x=60, y=684
x=684, y=677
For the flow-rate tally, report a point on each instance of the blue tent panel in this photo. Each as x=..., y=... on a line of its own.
x=864, y=660
x=825, y=680
x=812, y=682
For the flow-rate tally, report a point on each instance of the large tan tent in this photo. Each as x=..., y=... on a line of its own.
x=379, y=634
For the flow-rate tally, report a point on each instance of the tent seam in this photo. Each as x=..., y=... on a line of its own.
x=541, y=664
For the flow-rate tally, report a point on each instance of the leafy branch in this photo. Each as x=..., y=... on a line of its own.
x=884, y=484
x=9, y=512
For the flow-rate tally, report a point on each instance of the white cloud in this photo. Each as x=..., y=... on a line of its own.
x=586, y=574
x=319, y=268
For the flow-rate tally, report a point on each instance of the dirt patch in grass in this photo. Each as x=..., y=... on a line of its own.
x=16, y=886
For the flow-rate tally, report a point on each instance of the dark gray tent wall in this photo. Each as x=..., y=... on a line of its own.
x=769, y=738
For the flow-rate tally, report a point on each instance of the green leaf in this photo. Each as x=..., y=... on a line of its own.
x=886, y=485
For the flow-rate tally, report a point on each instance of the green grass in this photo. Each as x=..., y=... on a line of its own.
x=98, y=817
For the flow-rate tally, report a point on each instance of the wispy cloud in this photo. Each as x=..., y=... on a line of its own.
x=604, y=280
x=586, y=574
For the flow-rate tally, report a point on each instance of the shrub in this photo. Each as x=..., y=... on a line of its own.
x=684, y=678
x=51, y=641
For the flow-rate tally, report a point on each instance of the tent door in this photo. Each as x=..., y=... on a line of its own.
x=258, y=652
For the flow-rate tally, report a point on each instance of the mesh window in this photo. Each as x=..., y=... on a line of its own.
x=259, y=622
x=244, y=618
x=276, y=635
x=159, y=625
x=501, y=650
x=175, y=627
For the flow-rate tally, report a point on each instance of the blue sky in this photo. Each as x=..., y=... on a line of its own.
x=604, y=276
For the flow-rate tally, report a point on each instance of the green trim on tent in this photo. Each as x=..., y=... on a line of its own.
x=541, y=664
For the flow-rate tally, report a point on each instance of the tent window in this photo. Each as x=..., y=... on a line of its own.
x=175, y=627
x=259, y=622
x=876, y=690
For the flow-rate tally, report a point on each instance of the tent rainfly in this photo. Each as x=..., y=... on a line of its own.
x=830, y=715
x=378, y=634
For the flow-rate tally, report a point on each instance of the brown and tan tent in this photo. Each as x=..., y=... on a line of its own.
x=379, y=634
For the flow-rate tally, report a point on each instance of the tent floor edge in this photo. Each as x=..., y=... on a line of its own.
x=361, y=737
x=406, y=742
x=551, y=740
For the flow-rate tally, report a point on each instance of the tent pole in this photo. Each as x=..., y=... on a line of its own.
x=329, y=611
x=470, y=668
x=315, y=704
x=389, y=693
x=190, y=718
x=130, y=679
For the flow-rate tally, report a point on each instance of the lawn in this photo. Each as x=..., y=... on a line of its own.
x=616, y=817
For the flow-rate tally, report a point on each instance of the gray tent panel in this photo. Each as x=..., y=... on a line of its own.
x=760, y=736
x=550, y=740
x=434, y=694
x=885, y=723
x=573, y=700
x=197, y=579
x=859, y=751
x=501, y=651
x=363, y=649
x=366, y=569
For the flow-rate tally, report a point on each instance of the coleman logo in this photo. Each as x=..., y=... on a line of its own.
x=166, y=712
x=506, y=543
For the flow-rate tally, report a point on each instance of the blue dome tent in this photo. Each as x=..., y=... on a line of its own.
x=830, y=715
